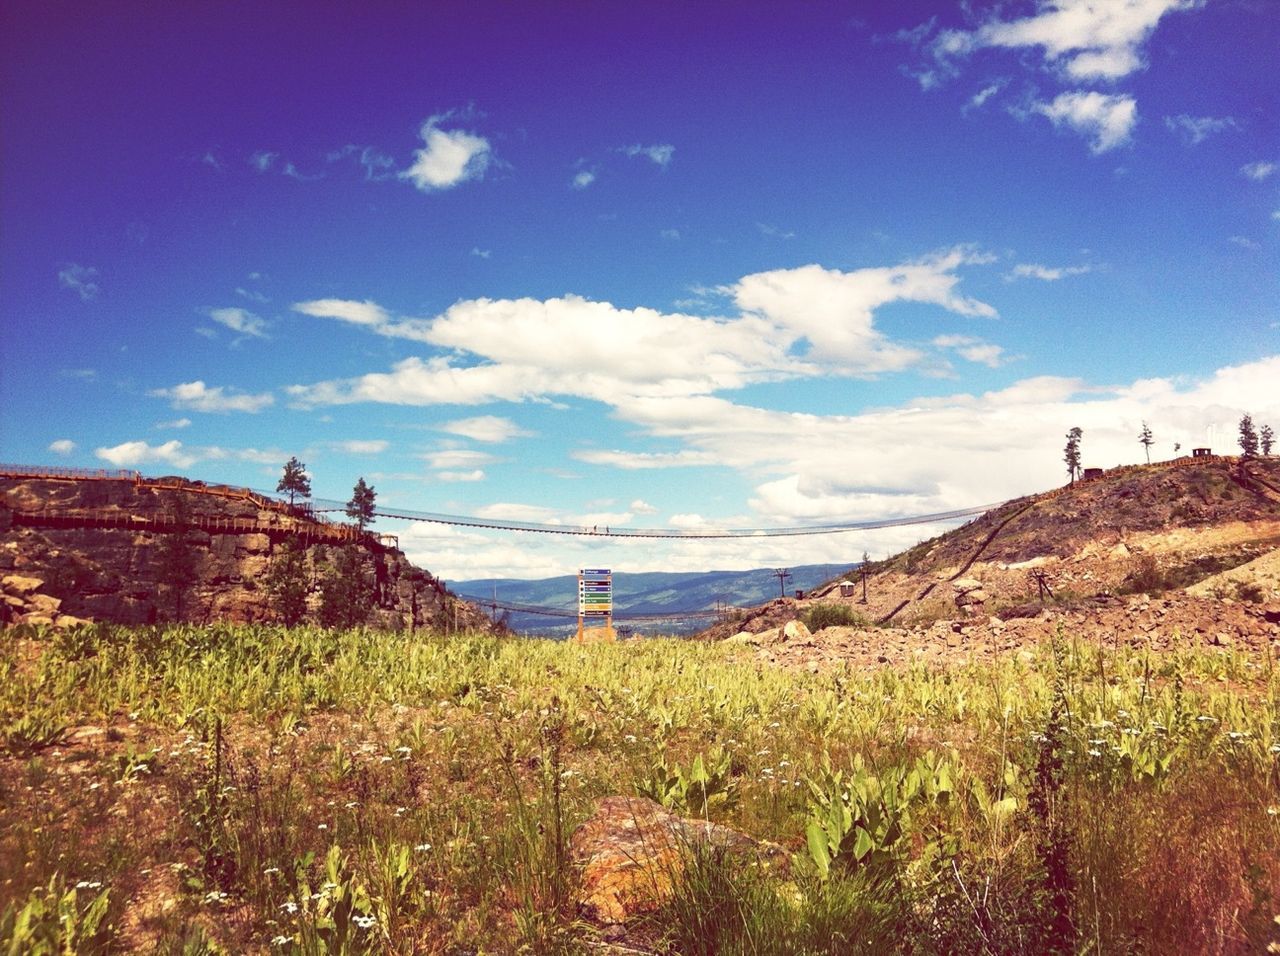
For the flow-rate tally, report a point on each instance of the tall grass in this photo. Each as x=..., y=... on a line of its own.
x=234, y=788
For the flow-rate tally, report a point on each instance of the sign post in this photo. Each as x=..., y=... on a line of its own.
x=595, y=604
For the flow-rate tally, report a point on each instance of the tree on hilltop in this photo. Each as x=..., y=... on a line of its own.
x=1146, y=439
x=1071, y=454
x=360, y=507
x=294, y=482
x=1268, y=438
x=1248, y=436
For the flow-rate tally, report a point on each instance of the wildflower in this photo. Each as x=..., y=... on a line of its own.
x=423, y=847
x=404, y=750
x=1205, y=718
x=289, y=907
x=1236, y=735
x=364, y=922
x=630, y=738
x=88, y=885
x=400, y=811
x=271, y=869
x=1275, y=748
x=215, y=896
x=323, y=826
x=352, y=804
x=384, y=759
x=329, y=886
x=280, y=940
x=1095, y=753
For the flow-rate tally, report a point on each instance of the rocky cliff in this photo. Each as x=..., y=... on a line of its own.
x=104, y=549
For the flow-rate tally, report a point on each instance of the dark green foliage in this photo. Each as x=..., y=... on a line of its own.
x=346, y=594
x=294, y=482
x=360, y=507
x=288, y=583
x=1268, y=438
x=832, y=615
x=1071, y=454
x=1248, y=437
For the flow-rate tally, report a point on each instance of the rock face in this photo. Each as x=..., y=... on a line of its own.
x=114, y=573
x=21, y=603
x=632, y=851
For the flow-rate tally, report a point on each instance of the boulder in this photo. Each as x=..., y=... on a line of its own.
x=796, y=631
x=17, y=584
x=632, y=851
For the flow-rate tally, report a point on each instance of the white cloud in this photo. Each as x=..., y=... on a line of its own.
x=773, y=231
x=1107, y=119
x=63, y=446
x=791, y=323
x=80, y=279
x=252, y=295
x=356, y=446
x=1031, y=270
x=485, y=428
x=660, y=153
x=175, y=423
x=1083, y=39
x=475, y=474
x=481, y=253
x=133, y=453
x=1244, y=242
x=457, y=459
x=978, y=99
x=642, y=507
x=240, y=320
x=635, y=460
x=583, y=179
x=672, y=234
x=1259, y=170
x=448, y=157
x=377, y=165
x=263, y=160
x=1196, y=129
x=972, y=349
x=198, y=397
x=514, y=511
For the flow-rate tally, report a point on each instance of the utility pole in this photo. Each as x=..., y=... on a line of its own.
x=784, y=575
x=865, y=559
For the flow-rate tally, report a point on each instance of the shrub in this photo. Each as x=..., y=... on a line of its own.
x=832, y=615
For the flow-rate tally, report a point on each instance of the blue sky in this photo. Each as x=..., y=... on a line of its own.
x=741, y=265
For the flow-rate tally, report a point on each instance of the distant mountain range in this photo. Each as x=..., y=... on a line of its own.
x=653, y=592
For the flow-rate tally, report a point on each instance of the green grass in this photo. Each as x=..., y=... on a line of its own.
x=359, y=791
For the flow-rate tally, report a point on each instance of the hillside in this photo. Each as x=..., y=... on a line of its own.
x=1141, y=530
x=118, y=548
x=650, y=593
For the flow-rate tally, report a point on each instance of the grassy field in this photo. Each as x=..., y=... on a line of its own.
x=252, y=789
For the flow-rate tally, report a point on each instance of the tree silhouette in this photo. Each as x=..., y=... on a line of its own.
x=1071, y=454
x=294, y=482
x=360, y=507
x=1146, y=439
x=1268, y=439
x=1248, y=436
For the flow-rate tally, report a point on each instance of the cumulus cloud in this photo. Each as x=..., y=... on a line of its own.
x=448, y=156
x=80, y=279
x=1259, y=170
x=583, y=179
x=1106, y=119
x=240, y=320
x=636, y=460
x=660, y=154
x=1081, y=39
x=972, y=349
x=63, y=446
x=642, y=507
x=790, y=323
x=198, y=397
x=1196, y=129
x=476, y=474
x=485, y=428
x=133, y=453
x=263, y=160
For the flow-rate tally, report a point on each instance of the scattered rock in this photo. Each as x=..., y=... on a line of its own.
x=796, y=631
x=632, y=850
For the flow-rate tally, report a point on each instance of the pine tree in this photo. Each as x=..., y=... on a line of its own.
x=346, y=596
x=1268, y=439
x=1147, y=440
x=1071, y=454
x=287, y=584
x=360, y=507
x=295, y=482
x=1248, y=437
